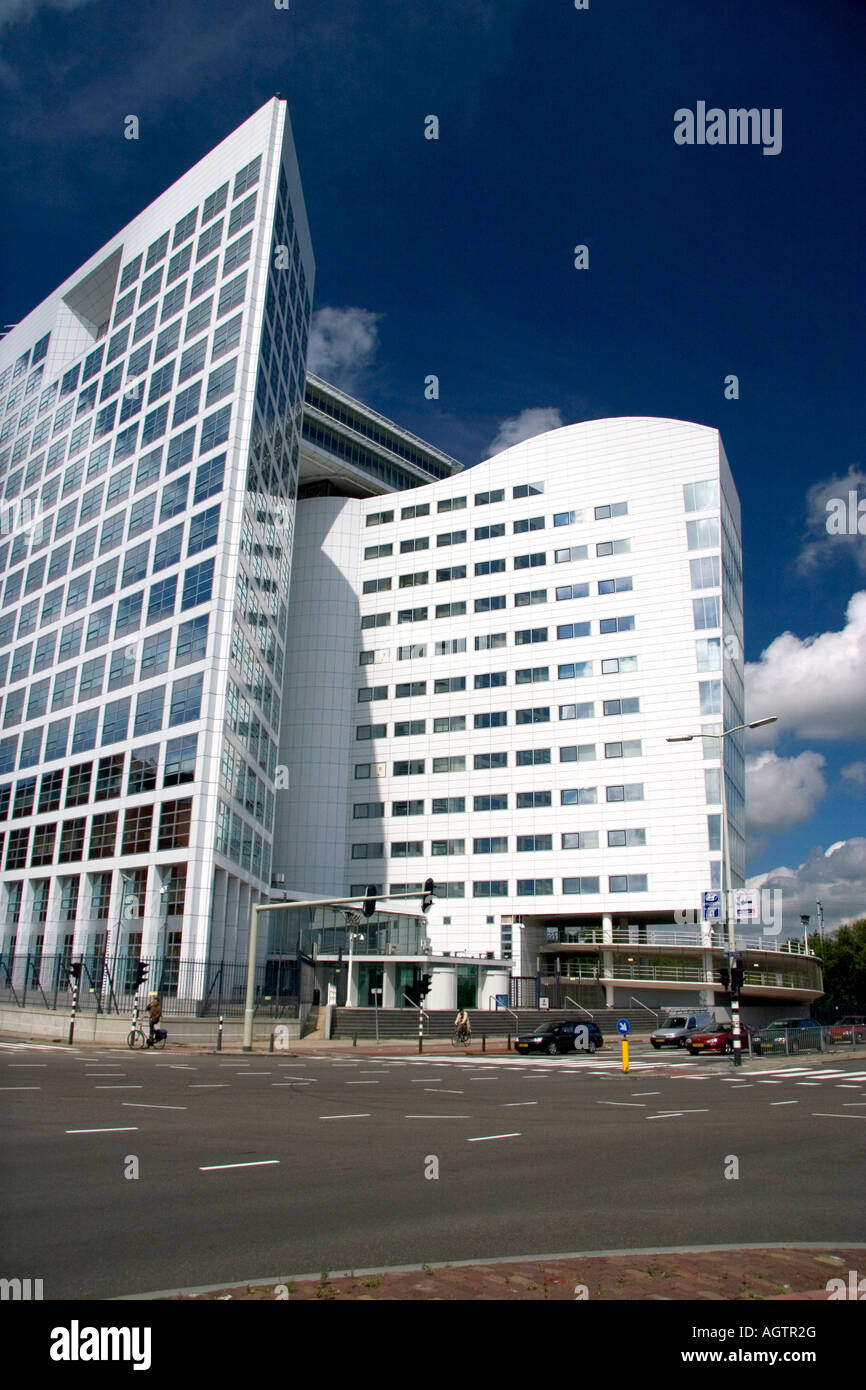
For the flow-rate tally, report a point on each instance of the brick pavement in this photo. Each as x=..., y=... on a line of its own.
x=713, y=1276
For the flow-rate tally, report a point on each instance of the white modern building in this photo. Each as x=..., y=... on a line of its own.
x=238, y=663
x=485, y=677
x=150, y=435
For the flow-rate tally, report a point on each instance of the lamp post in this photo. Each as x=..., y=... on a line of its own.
x=353, y=937
x=729, y=917
x=125, y=880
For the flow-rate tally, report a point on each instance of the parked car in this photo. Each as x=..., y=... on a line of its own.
x=851, y=1028
x=720, y=1040
x=678, y=1028
x=791, y=1034
x=554, y=1038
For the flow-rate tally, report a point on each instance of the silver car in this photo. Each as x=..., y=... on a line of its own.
x=678, y=1028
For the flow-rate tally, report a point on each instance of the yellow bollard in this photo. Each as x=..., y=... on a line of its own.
x=625, y=1054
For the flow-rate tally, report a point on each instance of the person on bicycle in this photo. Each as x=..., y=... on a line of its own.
x=462, y=1024
x=154, y=1010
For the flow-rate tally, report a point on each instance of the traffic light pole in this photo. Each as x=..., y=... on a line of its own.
x=75, y=971
x=257, y=908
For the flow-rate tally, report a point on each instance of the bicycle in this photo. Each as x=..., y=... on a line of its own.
x=462, y=1037
x=137, y=1037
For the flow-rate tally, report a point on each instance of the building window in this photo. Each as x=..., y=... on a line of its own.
x=174, y=824
x=496, y=719
x=137, y=828
x=618, y=839
x=488, y=762
x=630, y=791
x=580, y=839
x=103, y=836
x=628, y=883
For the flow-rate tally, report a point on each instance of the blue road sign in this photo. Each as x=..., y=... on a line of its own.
x=623, y=1026
x=711, y=904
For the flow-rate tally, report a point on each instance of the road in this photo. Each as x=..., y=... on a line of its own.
x=268, y=1166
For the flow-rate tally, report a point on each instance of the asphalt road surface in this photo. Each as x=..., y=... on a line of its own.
x=129, y=1173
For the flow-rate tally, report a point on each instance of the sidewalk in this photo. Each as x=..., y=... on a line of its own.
x=734, y=1275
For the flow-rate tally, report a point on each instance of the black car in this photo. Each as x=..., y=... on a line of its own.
x=554, y=1038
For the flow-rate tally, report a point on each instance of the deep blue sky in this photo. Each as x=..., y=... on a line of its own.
x=556, y=127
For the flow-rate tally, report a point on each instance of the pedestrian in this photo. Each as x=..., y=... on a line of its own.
x=154, y=1009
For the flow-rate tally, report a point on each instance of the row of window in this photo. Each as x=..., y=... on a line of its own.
x=144, y=659
x=65, y=558
x=139, y=562
x=103, y=498
x=532, y=560
x=128, y=616
x=42, y=842
x=491, y=719
x=525, y=757
x=241, y=215
x=528, y=675
x=498, y=801
x=116, y=403
x=101, y=781
x=523, y=637
x=498, y=844
x=524, y=887
x=483, y=499
x=485, y=762
x=239, y=842
x=525, y=599
x=104, y=725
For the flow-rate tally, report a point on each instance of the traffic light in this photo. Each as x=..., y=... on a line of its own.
x=370, y=900
x=736, y=979
x=725, y=977
x=427, y=899
x=141, y=970
x=426, y=985
x=75, y=970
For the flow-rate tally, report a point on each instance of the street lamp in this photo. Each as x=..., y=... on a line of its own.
x=126, y=879
x=729, y=918
x=353, y=937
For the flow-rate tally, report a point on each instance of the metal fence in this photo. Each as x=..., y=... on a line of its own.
x=187, y=988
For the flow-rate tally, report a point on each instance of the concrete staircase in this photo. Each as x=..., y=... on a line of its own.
x=403, y=1023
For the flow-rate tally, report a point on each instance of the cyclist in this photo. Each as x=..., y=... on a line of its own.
x=154, y=1010
x=462, y=1025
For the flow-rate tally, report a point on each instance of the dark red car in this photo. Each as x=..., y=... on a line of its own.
x=720, y=1041
x=850, y=1029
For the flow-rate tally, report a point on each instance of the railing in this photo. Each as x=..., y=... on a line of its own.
x=588, y=1012
x=186, y=987
x=670, y=936
x=634, y=1000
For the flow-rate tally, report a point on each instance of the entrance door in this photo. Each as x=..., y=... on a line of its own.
x=369, y=978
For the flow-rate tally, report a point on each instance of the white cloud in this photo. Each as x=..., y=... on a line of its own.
x=835, y=877
x=526, y=425
x=814, y=684
x=343, y=343
x=856, y=773
x=14, y=11
x=781, y=792
x=821, y=547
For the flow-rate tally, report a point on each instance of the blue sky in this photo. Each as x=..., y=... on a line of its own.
x=556, y=128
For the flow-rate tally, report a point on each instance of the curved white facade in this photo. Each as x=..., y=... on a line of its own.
x=466, y=649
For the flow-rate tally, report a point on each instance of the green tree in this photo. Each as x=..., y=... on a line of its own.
x=844, y=956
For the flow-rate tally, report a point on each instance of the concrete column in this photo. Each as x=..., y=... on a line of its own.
x=607, y=965
x=493, y=982
x=607, y=928
x=389, y=972
x=443, y=994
